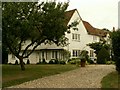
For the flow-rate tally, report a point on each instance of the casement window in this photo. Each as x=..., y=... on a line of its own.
x=13, y=56
x=94, y=38
x=43, y=54
x=76, y=53
x=54, y=54
x=76, y=37
x=91, y=53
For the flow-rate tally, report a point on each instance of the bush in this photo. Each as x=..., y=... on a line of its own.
x=56, y=61
x=91, y=61
x=74, y=61
x=110, y=62
x=28, y=61
x=103, y=56
x=62, y=62
x=51, y=62
x=16, y=62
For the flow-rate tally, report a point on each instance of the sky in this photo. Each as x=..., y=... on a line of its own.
x=99, y=13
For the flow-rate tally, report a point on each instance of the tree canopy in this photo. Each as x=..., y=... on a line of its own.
x=38, y=23
x=115, y=36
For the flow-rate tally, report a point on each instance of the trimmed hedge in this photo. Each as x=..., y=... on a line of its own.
x=103, y=56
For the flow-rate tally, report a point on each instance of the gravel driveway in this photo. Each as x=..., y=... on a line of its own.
x=86, y=77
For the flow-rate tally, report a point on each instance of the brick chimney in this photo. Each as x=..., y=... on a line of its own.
x=113, y=28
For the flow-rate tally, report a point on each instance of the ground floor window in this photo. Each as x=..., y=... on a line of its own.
x=13, y=56
x=55, y=54
x=76, y=53
x=91, y=53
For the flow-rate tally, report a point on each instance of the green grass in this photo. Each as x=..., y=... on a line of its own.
x=112, y=80
x=12, y=75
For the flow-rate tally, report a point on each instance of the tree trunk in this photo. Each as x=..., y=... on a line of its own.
x=22, y=63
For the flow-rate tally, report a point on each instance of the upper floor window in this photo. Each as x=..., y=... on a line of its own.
x=94, y=38
x=76, y=37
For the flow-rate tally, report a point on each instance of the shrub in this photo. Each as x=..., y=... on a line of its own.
x=51, y=62
x=56, y=61
x=90, y=61
x=103, y=56
x=110, y=62
x=74, y=61
x=16, y=62
x=28, y=61
x=62, y=62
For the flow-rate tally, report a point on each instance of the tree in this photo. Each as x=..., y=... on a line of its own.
x=97, y=46
x=115, y=36
x=33, y=22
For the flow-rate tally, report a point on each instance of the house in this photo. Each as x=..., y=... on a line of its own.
x=77, y=40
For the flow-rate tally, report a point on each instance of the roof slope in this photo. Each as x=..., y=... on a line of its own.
x=94, y=31
x=68, y=15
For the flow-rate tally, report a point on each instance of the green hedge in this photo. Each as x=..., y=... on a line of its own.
x=103, y=56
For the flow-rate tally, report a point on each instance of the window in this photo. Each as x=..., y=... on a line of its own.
x=13, y=56
x=54, y=54
x=94, y=38
x=43, y=54
x=91, y=53
x=76, y=37
x=76, y=53
x=79, y=37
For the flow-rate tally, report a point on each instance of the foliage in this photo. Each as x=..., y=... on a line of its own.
x=103, y=56
x=62, y=62
x=51, y=62
x=66, y=54
x=110, y=62
x=115, y=36
x=33, y=22
x=74, y=61
x=90, y=61
x=84, y=55
x=98, y=45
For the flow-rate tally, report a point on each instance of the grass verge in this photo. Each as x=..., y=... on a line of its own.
x=12, y=75
x=112, y=80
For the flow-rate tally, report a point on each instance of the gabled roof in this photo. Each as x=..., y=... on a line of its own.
x=68, y=15
x=94, y=31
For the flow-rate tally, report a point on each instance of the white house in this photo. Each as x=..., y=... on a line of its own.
x=77, y=41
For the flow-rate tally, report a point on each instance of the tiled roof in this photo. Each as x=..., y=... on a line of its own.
x=68, y=15
x=94, y=31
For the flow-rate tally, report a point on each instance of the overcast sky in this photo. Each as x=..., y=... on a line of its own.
x=99, y=13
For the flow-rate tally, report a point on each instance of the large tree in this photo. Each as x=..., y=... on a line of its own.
x=115, y=36
x=38, y=23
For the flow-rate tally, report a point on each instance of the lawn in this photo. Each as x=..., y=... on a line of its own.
x=112, y=80
x=12, y=75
